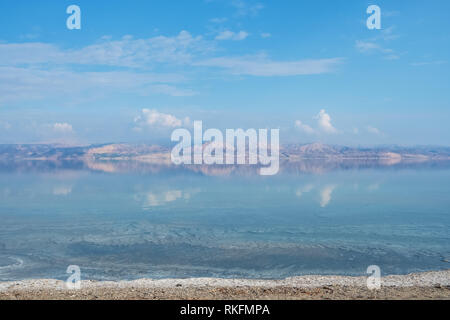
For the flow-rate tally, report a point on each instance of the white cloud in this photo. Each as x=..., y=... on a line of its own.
x=49, y=70
x=388, y=33
x=324, y=125
x=63, y=127
x=245, y=8
x=265, y=35
x=373, y=130
x=137, y=52
x=218, y=20
x=427, y=63
x=126, y=52
x=171, y=90
x=364, y=46
x=324, y=122
x=153, y=118
x=392, y=57
x=373, y=47
x=260, y=65
x=304, y=127
x=19, y=84
x=52, y=72
x=230, y=35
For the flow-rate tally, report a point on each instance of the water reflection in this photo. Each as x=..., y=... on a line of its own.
x=325, y=195
x=62, y=190
x=145, y=166
x=132, y=219
x=156, y=199
x=374, y=186
x=300, y=191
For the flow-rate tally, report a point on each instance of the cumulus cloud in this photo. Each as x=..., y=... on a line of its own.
x=62, y=127
x=324, y=125
x=230, y=35
x=324, y=122
x=304, y=127
x=373, y=130
x=153, y=118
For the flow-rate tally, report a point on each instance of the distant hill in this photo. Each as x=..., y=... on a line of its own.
x=291, y=152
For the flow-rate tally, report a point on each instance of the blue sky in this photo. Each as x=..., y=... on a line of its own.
x=135, y=72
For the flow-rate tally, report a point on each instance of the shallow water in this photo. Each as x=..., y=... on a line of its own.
x=130, y=220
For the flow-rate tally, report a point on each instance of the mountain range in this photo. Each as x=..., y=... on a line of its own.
x=291, y=152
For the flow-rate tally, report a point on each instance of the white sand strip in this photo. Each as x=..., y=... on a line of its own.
x=424, y=279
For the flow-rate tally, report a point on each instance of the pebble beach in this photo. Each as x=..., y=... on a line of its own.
x=426, y=285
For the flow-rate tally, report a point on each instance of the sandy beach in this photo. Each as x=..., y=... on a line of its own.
x=426, y=285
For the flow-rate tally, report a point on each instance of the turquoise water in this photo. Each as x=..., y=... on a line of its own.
x=127, y=220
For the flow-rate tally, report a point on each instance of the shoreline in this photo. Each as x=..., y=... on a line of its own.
x=424, y=285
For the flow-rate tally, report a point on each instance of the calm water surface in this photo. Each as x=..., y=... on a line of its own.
x=120, y=221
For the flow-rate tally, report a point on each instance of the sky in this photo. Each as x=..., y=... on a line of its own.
x=137, y=70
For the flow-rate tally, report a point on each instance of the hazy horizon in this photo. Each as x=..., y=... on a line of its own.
x=171, y=144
